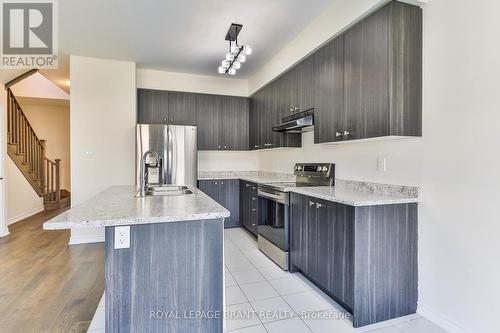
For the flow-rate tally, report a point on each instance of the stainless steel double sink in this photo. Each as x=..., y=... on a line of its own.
x=167, y=190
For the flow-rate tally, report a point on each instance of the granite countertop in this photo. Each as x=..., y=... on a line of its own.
x=118, y=206
x=349, y=192
x=353, y=197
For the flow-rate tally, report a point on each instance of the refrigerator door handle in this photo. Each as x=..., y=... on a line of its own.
x=170, y=148
x=175, y=158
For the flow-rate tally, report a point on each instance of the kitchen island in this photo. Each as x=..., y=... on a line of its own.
x=170, y=278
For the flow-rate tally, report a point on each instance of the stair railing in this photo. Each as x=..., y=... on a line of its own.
x=53, y=188
x=32, y=150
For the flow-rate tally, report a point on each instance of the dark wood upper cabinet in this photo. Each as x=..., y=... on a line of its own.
x=254, y=124
x=209, y=109
x=328, y=88
x=383, y=74
x=303, y=87
x=152, y=106
x=165, y=107
x=181, y=108
x=234, y=123
x=222, y=121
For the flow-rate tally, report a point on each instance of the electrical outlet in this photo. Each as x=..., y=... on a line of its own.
x=381, y=164
x=122, y=237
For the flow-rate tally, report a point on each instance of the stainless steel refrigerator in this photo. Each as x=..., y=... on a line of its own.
x=176, y=149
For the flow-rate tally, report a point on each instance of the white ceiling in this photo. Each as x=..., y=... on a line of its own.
x=181, y=36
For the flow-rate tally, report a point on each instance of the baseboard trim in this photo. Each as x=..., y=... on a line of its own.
x=22, y=216
x=440, y=320
x=74, y=240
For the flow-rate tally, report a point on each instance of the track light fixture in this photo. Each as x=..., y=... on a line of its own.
x=237, y=54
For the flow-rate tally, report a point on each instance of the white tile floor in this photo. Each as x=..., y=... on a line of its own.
x=279, y=301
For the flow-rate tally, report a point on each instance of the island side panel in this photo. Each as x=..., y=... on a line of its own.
x=385, y=263
x=169, y=270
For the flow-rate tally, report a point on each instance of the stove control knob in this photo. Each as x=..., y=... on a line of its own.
x=324, y=168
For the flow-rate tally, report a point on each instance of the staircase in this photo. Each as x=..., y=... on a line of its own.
x=28, y=153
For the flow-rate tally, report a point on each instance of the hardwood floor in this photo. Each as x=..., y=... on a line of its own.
x=46, y=285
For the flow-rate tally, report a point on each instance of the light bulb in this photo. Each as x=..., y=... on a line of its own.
x=225, y=63
x=229, y=56
x=232, y=71
x=234, y=48
x=248, y=49
x=237, y=64
x=242, y=57
x=222, y=70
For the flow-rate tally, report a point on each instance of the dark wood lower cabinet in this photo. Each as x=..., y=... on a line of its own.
x=363, y=257
x=177, y=267
x=226, y=192
x=249, y=210
x=210, y=188
x=229, y=194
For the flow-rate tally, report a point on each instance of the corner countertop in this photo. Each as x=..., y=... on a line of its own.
x=352, y=197
x=348, y=192
x=118, y=206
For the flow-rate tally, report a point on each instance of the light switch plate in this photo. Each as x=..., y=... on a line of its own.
x=381, y=164
x=122, y=237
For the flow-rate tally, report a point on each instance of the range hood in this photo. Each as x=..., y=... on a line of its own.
x=296, y=123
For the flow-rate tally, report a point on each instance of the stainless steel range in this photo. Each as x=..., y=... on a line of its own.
x=274, y=199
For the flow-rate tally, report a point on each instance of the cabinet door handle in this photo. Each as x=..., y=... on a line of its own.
x=247, y=185
x=253, y=224
x=337, y=134
x=256, y=146
x=253, y=199
x=171, y=120
x=164, y=120
x=347, y=133
x=225, y=147
x=296, y=109
x=311, y=203
x=222, y=183
x=219, y=147
x=253, y=209
x=215, y=183
x=318, y=205
x=253, y=187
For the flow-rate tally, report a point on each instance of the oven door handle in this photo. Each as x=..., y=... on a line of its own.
x=273, y=197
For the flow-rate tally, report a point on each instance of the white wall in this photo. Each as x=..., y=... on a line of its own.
x=227, y=161
x=22, y=200
x=103, y=108
x=207, y=160
x=456, y=162
x=153, y=79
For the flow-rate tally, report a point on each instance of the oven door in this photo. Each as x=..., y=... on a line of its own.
x=273, y=216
